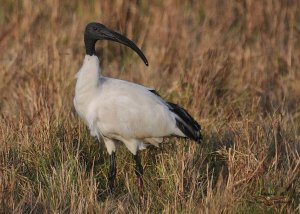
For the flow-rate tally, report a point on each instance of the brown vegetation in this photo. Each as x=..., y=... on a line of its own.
x=234, y=64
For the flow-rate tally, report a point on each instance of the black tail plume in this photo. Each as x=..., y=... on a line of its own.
x=186, y=123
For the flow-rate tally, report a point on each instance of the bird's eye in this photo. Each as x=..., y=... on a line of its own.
x=94, y=28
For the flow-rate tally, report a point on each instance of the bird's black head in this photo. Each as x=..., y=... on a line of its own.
x=96, y=31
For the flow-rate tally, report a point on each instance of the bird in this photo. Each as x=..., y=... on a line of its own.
x=118, y=111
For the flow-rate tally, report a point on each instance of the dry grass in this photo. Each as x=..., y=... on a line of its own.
x=234, y=65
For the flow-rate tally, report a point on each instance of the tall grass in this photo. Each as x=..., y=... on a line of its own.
x=234, y=64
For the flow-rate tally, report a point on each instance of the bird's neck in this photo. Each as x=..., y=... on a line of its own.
x=88, y=76
x=89, y=46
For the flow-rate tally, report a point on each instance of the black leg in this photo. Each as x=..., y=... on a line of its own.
x=112, y=171
x=139, y=171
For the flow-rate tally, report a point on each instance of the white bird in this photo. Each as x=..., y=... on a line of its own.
x=120, y=111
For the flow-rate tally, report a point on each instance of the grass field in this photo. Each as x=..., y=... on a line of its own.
x=235, y=65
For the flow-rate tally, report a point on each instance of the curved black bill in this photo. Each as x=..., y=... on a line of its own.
x=114, y=36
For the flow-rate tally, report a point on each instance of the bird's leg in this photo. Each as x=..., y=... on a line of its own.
x=139, y=171
x=112, y=171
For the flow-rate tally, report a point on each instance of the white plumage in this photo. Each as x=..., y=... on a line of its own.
x=120, y=110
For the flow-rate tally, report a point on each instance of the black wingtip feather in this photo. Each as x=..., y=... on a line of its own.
x=186, y=123
x=154, y=92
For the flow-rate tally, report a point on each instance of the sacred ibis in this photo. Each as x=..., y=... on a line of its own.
x=120, y=111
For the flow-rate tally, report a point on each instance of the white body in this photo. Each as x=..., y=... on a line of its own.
x=117, y=110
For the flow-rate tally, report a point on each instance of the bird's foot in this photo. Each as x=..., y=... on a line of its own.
x=140, y=184
x=142, y=197
x=110, y=187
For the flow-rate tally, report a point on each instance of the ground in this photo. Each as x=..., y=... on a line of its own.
x=234, y=65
